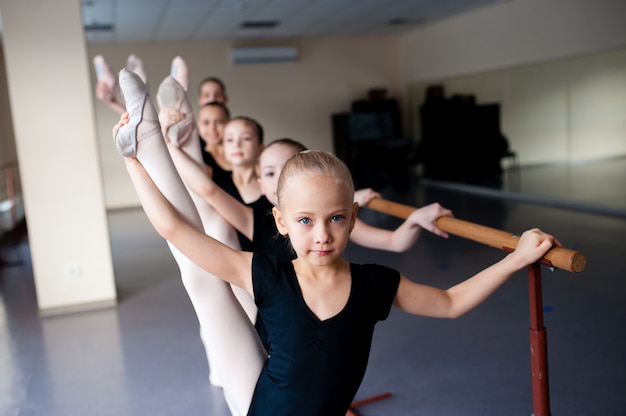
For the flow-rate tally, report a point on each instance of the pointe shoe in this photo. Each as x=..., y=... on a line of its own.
x=104, y=73
x=180, y=72
x=133, y=63
x=172, y=95
x=143, y=119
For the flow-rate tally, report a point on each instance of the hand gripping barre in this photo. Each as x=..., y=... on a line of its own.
x=559, y=257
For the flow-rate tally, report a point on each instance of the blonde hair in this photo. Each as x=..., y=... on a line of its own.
x=315, y=163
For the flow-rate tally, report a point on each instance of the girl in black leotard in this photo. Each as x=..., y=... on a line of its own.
x=255, y=222
x=319, y=310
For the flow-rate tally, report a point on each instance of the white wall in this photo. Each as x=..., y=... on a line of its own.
x=296, y=99
x=289, y=99
x=513, y=33
x=558, y=69
x=54, y=125
x=567, y=110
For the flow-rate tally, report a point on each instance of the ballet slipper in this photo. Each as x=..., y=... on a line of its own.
x=133, y=63
x=172, y=95
x=107, y=87
x=180, y=72
x=104, y=74
x=143, y=119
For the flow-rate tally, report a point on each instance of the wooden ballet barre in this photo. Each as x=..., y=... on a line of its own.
x=558, y=257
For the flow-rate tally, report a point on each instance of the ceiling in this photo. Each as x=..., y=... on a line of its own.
x=126, y=21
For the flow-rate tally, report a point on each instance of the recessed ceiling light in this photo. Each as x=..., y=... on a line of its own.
x=99, y=27
x=259, y=24
x=401, y=21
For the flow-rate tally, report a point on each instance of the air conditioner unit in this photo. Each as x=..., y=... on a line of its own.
x=264, y=54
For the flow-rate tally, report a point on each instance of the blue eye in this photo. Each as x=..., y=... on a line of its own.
x=304, y=221
x=336, y=218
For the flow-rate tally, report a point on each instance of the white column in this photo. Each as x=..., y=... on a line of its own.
x=55, y=133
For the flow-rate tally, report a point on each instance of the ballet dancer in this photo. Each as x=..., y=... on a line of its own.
x=182, y=136
x=140, y=125
x=319, y=310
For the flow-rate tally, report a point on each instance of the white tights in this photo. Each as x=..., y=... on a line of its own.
x=184, y=136
x=228, y=333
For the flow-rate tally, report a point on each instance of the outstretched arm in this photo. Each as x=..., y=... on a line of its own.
x=238, y=215
x=403, y=237
x=424, y=300
x=216, y=258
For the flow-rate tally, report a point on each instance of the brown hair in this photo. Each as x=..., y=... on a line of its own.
x=286, y=141
x=255, y=124
x=218, y=105
x=215, y=80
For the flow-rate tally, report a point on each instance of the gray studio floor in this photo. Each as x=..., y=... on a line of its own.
x=144, y=356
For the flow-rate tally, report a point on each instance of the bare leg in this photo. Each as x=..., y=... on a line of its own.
x=229, y=333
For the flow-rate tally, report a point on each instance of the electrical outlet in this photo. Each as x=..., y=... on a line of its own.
x=74, y=271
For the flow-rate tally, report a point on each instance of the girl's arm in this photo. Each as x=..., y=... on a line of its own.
x=403, y=237
x=230, y=265
x=424, y=300
x=238, y=215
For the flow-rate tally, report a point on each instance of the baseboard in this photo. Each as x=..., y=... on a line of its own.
x=83, y=307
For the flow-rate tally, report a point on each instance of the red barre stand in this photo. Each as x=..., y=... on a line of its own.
x=359, y=403
x=538, y=344
x=538, y=351
x=559, y=257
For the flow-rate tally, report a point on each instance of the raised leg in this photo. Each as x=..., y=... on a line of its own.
x=172, y=95
x=135, y=64
x=180, y=72
x=107, y=87
x=184, y=136
x=229, y=333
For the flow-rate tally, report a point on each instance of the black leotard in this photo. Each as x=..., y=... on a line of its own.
x=315, y=367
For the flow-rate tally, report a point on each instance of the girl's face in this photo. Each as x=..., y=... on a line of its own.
x=211, y=122
x=210, y=92
x=241, y=143
x=317, y=213
x=271, y=164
